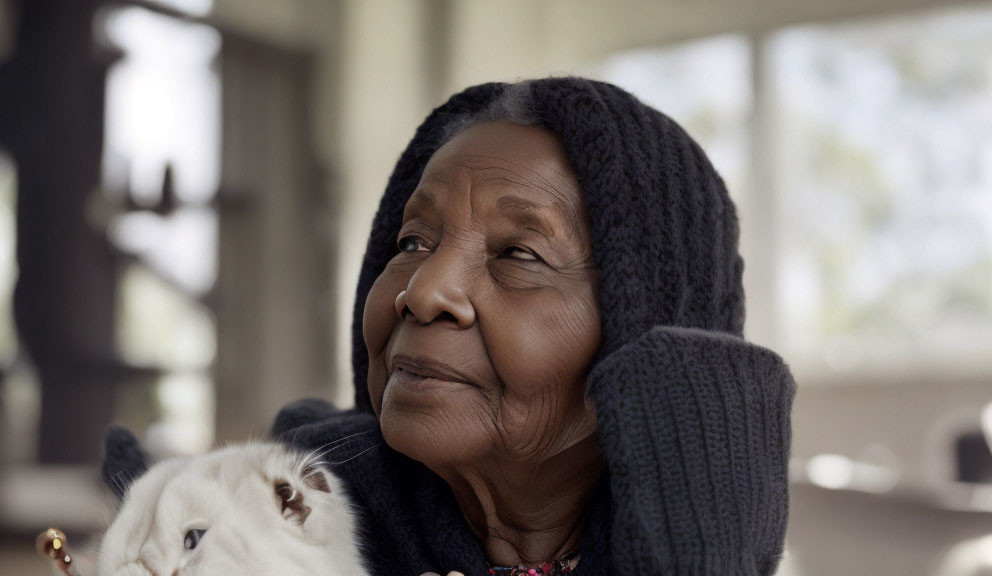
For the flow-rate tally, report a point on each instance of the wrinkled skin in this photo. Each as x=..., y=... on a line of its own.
x=481, y=332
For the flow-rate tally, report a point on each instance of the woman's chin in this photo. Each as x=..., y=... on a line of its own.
x=431, y=438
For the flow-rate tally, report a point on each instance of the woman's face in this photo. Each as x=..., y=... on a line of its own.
x=482, y=329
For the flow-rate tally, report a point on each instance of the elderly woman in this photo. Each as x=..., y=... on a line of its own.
x=547, y=339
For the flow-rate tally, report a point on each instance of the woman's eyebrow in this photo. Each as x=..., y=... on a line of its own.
x=419, y=201
x=527, y=210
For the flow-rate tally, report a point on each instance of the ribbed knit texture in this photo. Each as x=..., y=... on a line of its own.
x=695, y=428
x=693, y=420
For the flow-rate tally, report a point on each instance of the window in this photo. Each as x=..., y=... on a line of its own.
x=20, y=396
x=8, y=261
x=161, y=171
x=874, y=141
x=883, y=170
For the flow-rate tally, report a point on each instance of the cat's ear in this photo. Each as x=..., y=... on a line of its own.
x=315, y=477
x=292, y=499
x=123, y=460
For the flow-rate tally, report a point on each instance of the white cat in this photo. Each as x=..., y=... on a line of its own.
x=256, y=509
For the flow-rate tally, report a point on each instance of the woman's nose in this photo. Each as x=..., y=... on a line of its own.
x=437, y=292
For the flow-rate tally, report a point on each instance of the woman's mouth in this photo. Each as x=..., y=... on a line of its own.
x=420, y=371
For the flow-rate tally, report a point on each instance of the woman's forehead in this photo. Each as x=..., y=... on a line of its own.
x=519, y=153
x=506, y=167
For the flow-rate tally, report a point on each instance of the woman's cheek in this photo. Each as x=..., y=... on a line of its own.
x=515, y=277
x=539, y=342
x=543, y=351
x=379, y=320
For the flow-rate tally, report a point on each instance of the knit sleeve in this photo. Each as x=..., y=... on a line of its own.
x=695, y=426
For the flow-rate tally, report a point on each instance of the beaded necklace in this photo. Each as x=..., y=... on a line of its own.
x=563, y=565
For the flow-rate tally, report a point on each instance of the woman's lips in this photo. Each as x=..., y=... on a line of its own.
x=414, y=371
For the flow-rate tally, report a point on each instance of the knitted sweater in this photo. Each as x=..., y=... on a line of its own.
x=695, y=429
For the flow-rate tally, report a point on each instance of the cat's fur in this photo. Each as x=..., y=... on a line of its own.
x=265, y=510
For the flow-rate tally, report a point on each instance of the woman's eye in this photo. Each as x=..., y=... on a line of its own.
x=410, y=244
x=192, y=539
x=518, y=253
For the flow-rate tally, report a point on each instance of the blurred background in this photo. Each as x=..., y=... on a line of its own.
x=186, y=187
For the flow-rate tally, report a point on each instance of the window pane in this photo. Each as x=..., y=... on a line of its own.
x=157, y=326
x=20, y=394
x=161, y=171
x=883, y=166
x=163, y=106
x=8, y=261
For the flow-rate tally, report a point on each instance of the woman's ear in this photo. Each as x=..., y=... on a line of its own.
x=123, y=460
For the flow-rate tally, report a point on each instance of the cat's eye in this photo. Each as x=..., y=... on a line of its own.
x=192, y=539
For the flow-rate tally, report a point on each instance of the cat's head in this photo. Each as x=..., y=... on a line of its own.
x=249, y=509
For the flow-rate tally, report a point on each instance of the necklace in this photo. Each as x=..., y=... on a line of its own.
x=563, y=565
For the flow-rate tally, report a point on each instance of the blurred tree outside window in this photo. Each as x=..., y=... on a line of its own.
x=879, y=158
x=883, y=168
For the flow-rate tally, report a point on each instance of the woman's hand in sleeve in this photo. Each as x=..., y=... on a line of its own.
x=695, y=426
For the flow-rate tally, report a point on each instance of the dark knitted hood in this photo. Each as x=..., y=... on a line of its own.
x=664, y=231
